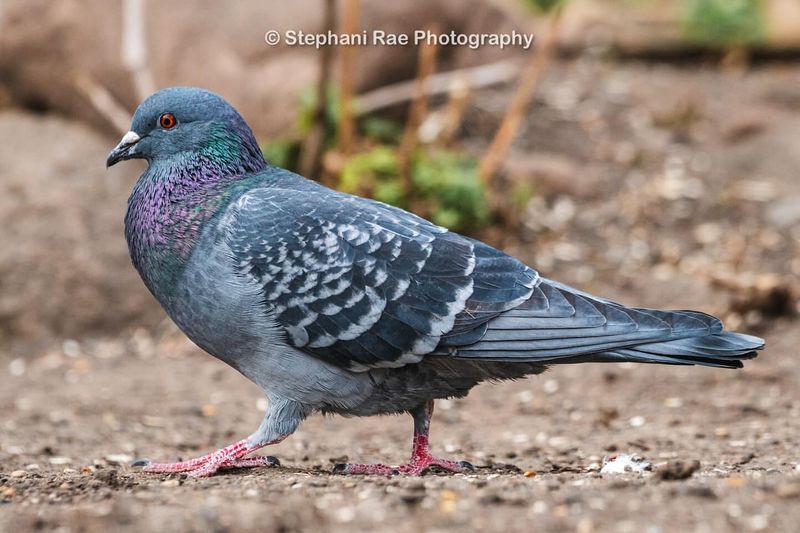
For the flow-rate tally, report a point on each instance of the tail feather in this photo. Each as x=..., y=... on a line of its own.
x=697, y=350
x=560, y=325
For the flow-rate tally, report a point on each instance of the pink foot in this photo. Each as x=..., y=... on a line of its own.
x=416, y=467
x=229, y=457
x=421, y=458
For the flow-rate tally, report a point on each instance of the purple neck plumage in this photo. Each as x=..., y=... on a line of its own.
x=172, y=200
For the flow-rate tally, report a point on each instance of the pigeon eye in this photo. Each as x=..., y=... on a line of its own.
x=167, y=121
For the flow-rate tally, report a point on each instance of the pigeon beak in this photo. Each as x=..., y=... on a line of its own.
x=124, y=150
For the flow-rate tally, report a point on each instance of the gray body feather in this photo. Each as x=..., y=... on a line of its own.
x=335, y=303
x=297, y=288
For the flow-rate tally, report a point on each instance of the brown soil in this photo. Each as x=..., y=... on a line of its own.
x=658, y=186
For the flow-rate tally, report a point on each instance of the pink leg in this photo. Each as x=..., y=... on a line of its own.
x=229, y=457
x=421, y=458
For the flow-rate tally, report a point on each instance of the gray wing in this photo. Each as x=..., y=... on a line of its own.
x=361, y=284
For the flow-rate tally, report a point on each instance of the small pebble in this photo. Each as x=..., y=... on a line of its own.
x=153, y=421
x=19, y=473
x=673, y=402
x=624, y=463
x=345, y=514
x=701, y=492
x=560, y=511
x=539, y=507
x=72, y=348
x=17, y=367
x=736, y=481
x=759, y=522
x=448, y=501
x=411, y=497
x=678, y=469
x=788, y=490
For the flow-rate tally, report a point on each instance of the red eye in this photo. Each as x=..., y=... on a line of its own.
x=167, y=121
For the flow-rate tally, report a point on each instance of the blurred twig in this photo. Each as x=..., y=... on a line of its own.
x=134, y=47
x=417, y=113
x=454, y=110
x=103, y=102
x=525, y=92
x=346, y=133
x=314, y=144
x=439, y=83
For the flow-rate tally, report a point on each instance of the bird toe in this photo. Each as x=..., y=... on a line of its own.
x=466, y=465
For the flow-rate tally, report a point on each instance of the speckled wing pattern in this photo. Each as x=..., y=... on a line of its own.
x=361, y=284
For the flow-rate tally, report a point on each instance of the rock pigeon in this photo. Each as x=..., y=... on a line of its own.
x=333, y=303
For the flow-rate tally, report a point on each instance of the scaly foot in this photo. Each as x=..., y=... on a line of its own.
x=417, y=467
x=229, y=457
x=421, y=458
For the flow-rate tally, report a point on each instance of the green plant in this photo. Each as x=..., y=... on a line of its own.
x=382, y=130
x=724, y=22
x=444, y=181
x=544, y=5
x=374, y=173
x=307, y=105
x=281, y=152
x=449, y=181
x=521, y=195
x=443, y=184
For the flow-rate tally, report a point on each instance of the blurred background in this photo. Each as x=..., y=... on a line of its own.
x=644, y=150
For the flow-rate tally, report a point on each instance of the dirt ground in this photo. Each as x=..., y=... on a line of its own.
x=668, y=186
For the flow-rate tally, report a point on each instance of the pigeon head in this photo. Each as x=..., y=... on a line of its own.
x=180, y=126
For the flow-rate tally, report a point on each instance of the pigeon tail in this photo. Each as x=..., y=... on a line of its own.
x=561, y=325
x=724, y=350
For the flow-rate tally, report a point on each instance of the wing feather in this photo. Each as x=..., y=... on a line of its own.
x=362, y=284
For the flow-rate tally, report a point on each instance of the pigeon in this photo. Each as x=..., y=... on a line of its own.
x=337, y=304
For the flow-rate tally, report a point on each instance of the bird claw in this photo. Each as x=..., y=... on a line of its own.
x=418, y=467
x=140, y=463
x=252, y=462
x=466, y=465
